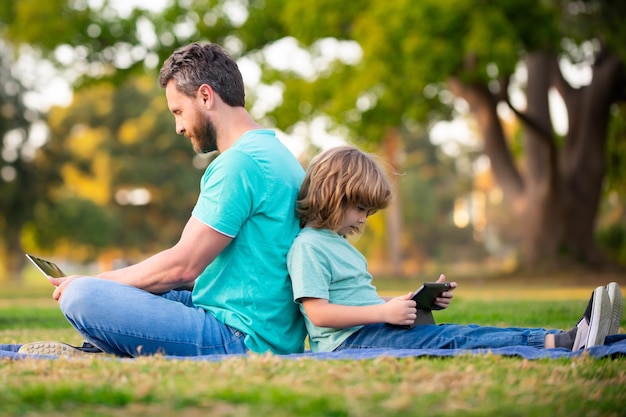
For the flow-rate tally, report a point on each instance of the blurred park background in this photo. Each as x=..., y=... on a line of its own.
x=502, y=123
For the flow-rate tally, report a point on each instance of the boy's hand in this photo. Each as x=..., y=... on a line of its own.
x=445, y=299
x=400, y=310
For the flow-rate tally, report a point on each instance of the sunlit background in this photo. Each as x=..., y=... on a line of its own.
x=92, y=173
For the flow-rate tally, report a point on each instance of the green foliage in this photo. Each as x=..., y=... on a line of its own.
x=616, y=155
x=429, y=185
x=412, y=50
x=51, y=17
x=409, y=51
x=602, y=19
x=611, y=232
x=97, y=35
x=310, y=21
x=76, y=221
x=613, y=240
x=21, y=183
x=120, y=140
x=117, y=136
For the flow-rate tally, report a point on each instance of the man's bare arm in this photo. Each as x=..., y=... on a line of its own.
x=175, y=267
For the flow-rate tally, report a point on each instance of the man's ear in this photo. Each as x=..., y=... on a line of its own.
x=205, y=92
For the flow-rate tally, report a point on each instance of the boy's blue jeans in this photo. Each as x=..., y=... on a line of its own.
x=127, y=321
x=445, y=336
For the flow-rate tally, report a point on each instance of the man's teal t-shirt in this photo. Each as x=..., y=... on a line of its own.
x=249, y=193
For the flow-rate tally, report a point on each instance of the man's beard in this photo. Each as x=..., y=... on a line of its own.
x=206, y=139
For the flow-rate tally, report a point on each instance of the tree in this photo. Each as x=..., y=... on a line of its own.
x=29, y=172
x=18, y=179
x=129, y=182
x=416, y=54
x=55, y=186
x=56, y=191
x=96, y=47
x=415, y=58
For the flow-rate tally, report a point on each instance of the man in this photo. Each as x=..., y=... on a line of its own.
x=232, y=251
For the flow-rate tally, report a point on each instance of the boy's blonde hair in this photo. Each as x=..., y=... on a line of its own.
x=337, y=179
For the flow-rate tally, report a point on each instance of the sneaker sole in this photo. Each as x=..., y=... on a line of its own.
x=50, y=349
x=600, y=321
x=580, y=338
x=617, y=306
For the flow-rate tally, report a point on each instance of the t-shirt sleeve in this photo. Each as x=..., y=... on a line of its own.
x=230, y=189
x=309, y=271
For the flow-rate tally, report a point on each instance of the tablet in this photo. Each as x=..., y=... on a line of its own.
x=427, y=294
x=46, y=267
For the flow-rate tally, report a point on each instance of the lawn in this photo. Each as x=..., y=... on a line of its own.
x=267, y=385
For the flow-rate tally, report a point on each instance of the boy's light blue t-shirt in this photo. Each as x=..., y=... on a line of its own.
x=323, y=264
x=249, y=193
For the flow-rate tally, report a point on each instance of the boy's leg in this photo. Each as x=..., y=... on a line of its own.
x=127, y=321
x=447, y=336
x=598, y=316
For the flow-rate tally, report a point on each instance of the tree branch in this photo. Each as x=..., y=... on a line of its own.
x=558, y=81
x=527, y=121
x=483, y=106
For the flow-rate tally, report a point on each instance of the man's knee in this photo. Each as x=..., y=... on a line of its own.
x=78, y=293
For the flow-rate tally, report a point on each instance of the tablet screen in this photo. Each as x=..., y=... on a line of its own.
x=46, y=267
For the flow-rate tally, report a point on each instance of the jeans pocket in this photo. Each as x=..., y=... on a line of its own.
x=236, y=344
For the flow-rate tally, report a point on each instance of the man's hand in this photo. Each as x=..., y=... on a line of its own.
x=445, y=299
x=61, y=284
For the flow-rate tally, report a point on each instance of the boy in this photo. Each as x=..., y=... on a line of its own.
x=341, y=188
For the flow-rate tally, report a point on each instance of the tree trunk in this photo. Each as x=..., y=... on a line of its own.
x=583, y=160
x=557, y=194
x=393, y=153
x=14, y=255
x=543, y=219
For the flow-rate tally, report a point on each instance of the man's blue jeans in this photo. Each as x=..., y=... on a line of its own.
x=127, y=321
x=445, y=336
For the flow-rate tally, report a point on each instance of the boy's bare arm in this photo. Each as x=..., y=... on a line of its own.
x=398, y=310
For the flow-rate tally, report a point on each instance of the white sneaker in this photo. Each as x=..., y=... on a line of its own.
x=617, y=306
x=582, y=327
x=51, y=349
x=600, y=320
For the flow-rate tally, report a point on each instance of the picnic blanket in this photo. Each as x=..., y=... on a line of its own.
x=614, y=347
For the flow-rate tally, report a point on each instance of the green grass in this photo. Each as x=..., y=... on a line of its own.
x=266, y=385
